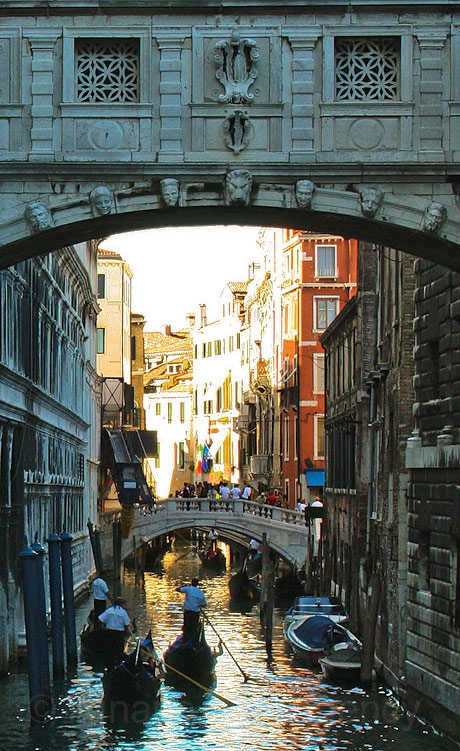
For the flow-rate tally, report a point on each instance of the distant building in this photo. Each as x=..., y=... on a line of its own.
x=318, y=277
x=217, y=384
x=114, y=320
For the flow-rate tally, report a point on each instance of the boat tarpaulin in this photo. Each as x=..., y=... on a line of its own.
x=319, y=632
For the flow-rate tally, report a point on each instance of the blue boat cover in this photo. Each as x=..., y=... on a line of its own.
x=320, y=632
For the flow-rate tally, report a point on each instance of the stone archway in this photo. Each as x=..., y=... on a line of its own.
x=421, y=226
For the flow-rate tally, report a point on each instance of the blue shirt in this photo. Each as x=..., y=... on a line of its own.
x=194, y=598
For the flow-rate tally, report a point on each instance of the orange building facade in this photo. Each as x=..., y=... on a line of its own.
x=319, y=276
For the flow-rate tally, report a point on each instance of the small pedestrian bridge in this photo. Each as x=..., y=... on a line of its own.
x=235, y=520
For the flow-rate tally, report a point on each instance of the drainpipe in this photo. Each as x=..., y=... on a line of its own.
x=370, y=487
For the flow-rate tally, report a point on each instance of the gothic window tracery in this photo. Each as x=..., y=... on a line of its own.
x=367, y=69
x=107, y=70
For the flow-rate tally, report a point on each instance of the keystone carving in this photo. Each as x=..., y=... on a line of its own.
x=37, y=216
x=304, y=193
x=371, y=199
x=434, y=217
x=236, y=60
x=237, y=130
x=238, y=185
x=101, y=201
x=169, y=188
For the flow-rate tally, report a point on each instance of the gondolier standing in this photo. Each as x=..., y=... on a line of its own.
x=194, y=601
x=116, y=621
x=100, y=592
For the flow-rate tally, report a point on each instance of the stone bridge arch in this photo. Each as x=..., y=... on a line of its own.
x=285, y=530
x=402, y=221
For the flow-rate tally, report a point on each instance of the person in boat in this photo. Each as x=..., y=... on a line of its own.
x=254, y=547
x=100, y=593
x=115, y=620
x=213, y=539
x=194, y=601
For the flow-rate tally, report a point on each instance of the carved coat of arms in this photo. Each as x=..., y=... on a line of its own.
x=236, y=60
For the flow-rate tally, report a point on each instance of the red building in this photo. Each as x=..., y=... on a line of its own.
x=319, y=276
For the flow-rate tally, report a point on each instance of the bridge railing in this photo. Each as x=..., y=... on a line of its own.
x=172, y=506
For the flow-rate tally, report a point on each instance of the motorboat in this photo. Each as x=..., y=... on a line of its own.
x=332, y=607
x=312, y=636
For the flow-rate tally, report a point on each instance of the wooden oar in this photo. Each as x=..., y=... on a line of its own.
x=245, y=675
x=204, y=688
x=183, y=556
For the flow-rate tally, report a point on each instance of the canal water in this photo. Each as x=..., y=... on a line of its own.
x=281, y=706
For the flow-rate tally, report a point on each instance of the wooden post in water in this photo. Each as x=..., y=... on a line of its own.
x=267, y=595
x=116, y=540
x=370, y=624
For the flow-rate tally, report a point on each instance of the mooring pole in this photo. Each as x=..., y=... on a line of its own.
x=57, y=623
x=40, y=616
x=98, y=550
x=38, y=707
x=69, y=604
x=116, y=540
x=370, y=625
x=267, y=595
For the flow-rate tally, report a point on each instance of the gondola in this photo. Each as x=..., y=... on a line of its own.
x=311, y=637
x=212, y=558
x=242, y=589
x=192, y=658
x=136, y=678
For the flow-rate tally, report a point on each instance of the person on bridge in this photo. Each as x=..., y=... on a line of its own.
x=194, y=601
x=224, y=491
x=235, y=492
x=247, y=490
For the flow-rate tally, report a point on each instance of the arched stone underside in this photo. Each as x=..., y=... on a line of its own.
x=116, y=116
x=398, y=222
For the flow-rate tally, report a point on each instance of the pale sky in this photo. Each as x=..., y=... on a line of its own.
x=176, y=269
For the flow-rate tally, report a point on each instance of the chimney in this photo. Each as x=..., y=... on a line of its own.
x=167, y=329
x=203, y=317
x=191, y=320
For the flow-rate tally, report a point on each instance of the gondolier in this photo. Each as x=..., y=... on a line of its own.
x=194, y=601
x=116, y=620
x=100, y=593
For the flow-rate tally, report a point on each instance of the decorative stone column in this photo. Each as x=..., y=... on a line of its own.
x=302, y=94
x=42, y=42
x=431, y=43
x=171, y=146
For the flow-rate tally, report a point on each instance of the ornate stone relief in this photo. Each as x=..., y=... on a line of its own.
x=237, y=130
x=434, y=217
x=371, y=199
x=304, y=193
x=236, y=60
x=37, y=216
x=238, y=185
x=169, y=188
x=101, y=201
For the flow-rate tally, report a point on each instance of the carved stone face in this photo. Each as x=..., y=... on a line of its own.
x=37, y=216
x=169, y=191
x=101, y=200
x=434, y=217
x=304, y=192
x=371, y=198
x=238, y=184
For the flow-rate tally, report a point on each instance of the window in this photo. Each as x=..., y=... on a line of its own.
x=219, y=400
x=295, y=436
x=157, y=458
x=287, y=265
x=326, y=256
x=287, y=492
x=237, y=395
x=158, y=409
x=325, y=310
x=208, y=349
x=170, y=409
x=286, y=437
x=207, y=406
x=318, y=373
x=204, y=349
x=230, y=343
x=101, y=341
x=181, y=456
x=217, y=347
x=196, y=351
x=367, y=69
x=101, y=286
x=182, y=411
x=133, y=348
x=238, y=341
x=107, y=70
x=319, y=436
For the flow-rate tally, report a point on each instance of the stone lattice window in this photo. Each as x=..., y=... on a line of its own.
x=367, y=69
x=107, y=70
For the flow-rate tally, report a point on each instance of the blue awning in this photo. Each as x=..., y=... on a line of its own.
x=315, y=478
